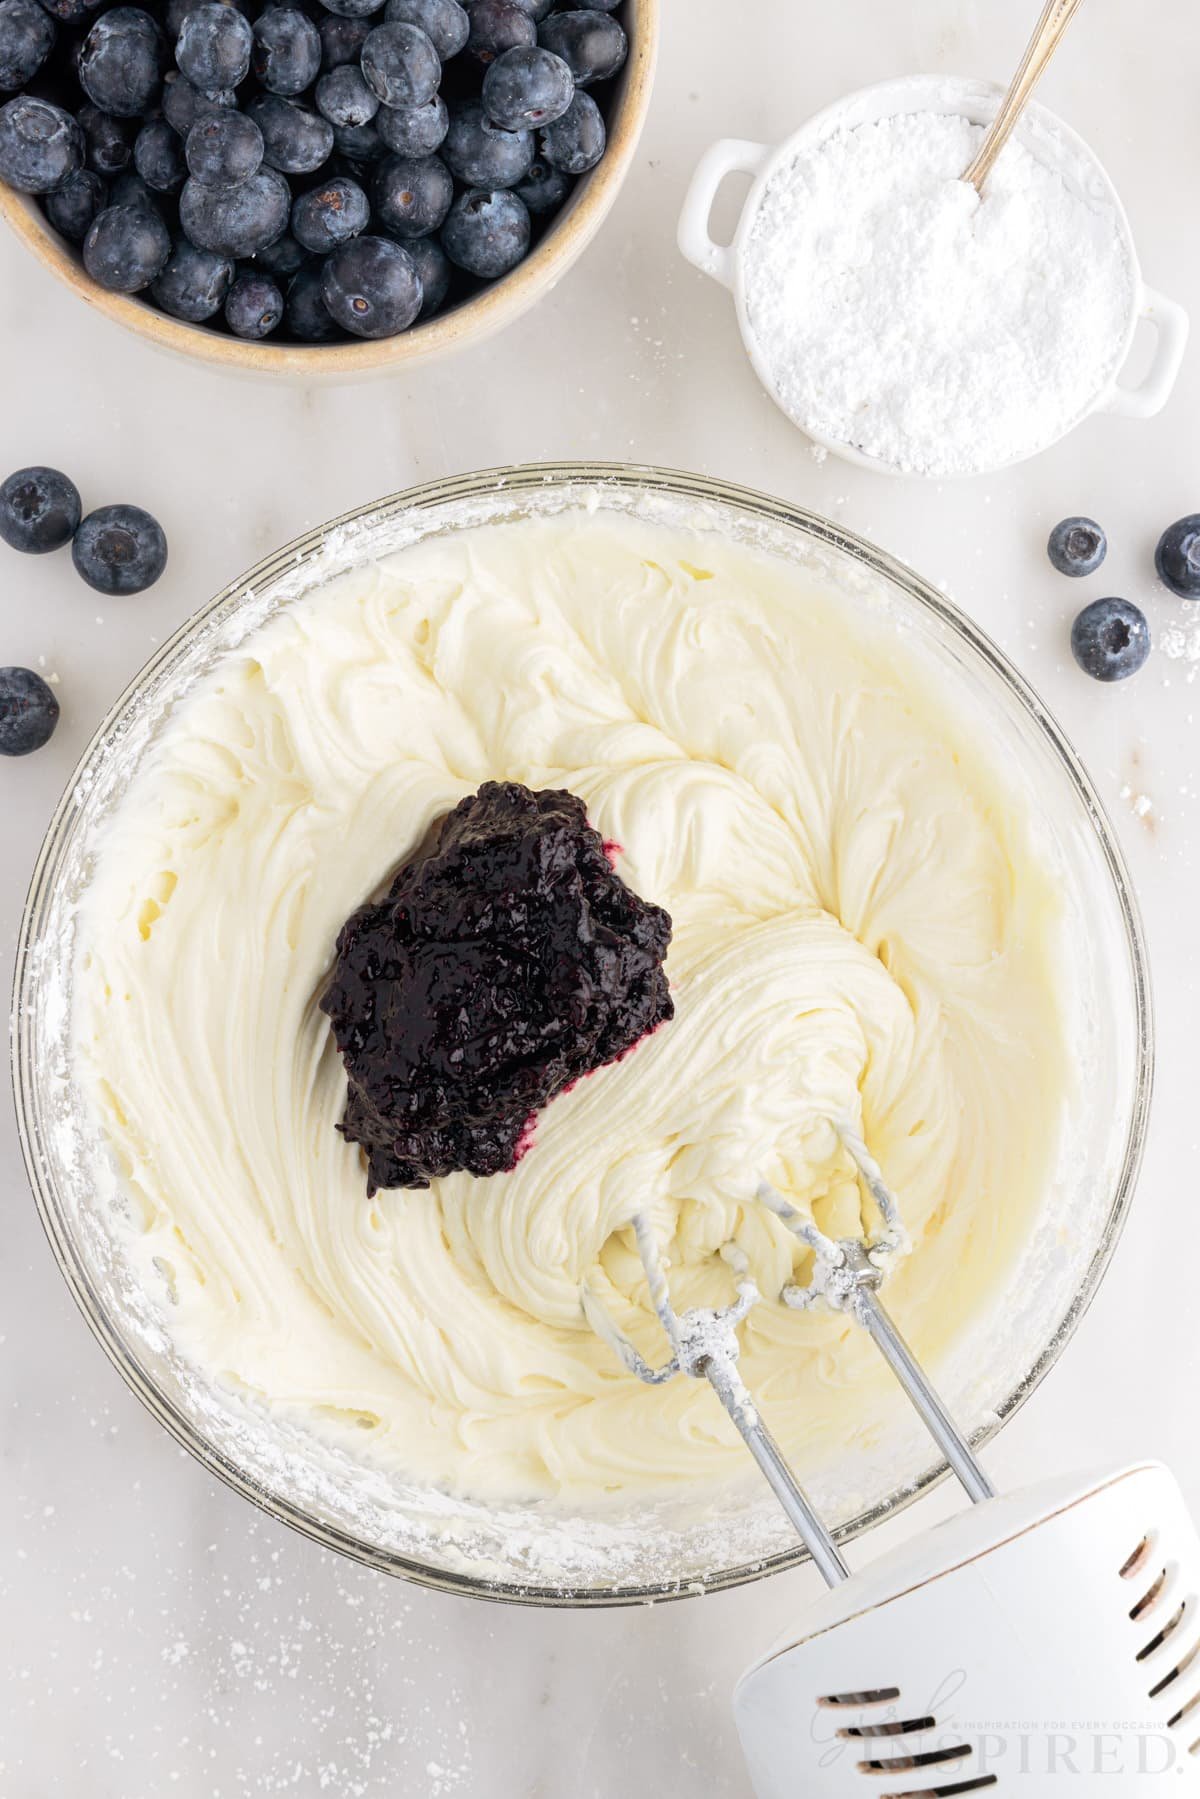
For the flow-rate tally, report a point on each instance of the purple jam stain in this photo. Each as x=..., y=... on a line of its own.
x=507, y=961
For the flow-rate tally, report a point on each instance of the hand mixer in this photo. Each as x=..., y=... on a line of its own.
x=1049, y=1633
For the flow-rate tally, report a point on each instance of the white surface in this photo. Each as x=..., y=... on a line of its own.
x=160, y=1637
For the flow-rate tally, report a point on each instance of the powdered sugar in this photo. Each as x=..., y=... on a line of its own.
x=898, y=313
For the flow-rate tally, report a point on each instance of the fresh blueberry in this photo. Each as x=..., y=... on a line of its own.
x=129, y=189
x=1177, y=557
x=328, y=215
x=40, y=145
x=444, y=22
x=1077, y=546
x=39, y=510
x=596, y=5
x=214, y=46
x=414, y=130
x=343, y=97
x=411, y=196
x=224, y=149
x=282, y=258
x=528, y=87
x=108, y=140
x=72, y=207
x=122, y=60
x=537, y=9
x=158, y=157
x=70, y=12
x=575, y=143
x=1110, y=639
x=287, y=50
x=401, y=64
x=254, y=306
x=296, y=141
x=28, y=712
x=354, y=9
x=480, y=154
x=544, y=189
x=239, y=220
x=193, y=283
x=307, y=316
x=27, y=37
x=184, y=105
x=592, y=44
x=434, y=270
x=120, y=549
x=361, y=145
x=486, y=233
x=497, y=26
x=126, y=248
x=371, y=287
x=341, y=39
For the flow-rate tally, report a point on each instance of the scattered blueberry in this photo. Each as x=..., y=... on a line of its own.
x=527, y=87
x=128, y=189
x=575, y=143
x=326, y=216
x=72, y=207
x=126, y=248
x=297, y=141
x=411, y=196
x=282, y=258
x=287, y=50
x=158, y=157
x=537, y=9
x=253, y=306
x=360, y=145
x=544, y=189
x=1110, y=639
x=480, y=154
x=444, y=22
x=1077, y=546
x=591, y=43
x=355, y=9
x=28, y=712
x=70, y=12
x=401, y=64
x=39, y=510
x=224, y=149
x=371, y=287
x=434, y=269
x=108, y=140
x=27, y=37
x=497, y=26
x=1177, y=557
x=193, y=283
x=214, y=46
x=343, y=97
x=122, y=60
x=486, y=233
x=40, y=145
x=597, y=5
x=342, y=39
x=120, y=549
x=414, y=130
x=184, y=105
x=307, y=316
x=237, y=220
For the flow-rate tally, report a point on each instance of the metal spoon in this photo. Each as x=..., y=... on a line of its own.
x=1041, y=47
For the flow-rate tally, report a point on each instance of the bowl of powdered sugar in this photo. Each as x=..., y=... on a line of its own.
x=909, y=324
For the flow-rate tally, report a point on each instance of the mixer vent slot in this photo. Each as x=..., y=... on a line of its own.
x=1131, y=1565
x=927, y=1758
x=905, y=1728
x=1148, y=1598
x=1169, y=1628
x=1169, y=1680
x=959, y=1786
x=870, y=1696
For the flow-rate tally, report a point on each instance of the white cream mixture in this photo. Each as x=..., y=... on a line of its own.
x=861, y=927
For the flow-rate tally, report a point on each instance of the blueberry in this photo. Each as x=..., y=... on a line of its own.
x=287, y=50
x=1177, y=557
x=308, y=318
x=343, y=97
x=224, y=149
x=414, y=130
x=591, y=43
x=401, y=64
x=70, y=12
x=126, y=248
x=108, y=140
x=1077, y=546
x=434, y=269
x=237, y=220
x=481, y=154
x=39, y=510
x=575, y=143
x=254, y=306
x=341, y=39
x=28, y=712
x=129, y=189
x=296, y=141
x=72, y=207
x=537, y=9
x=527, y=87
x=444, y=22
x=371, y=287
x=486, y=233
x=282, y=258
x=193, y=283
x=359, y=144
x=184, y=105
x=214, y=46
x=544, y=189
x=122, y=60
x=120, y=549
x=411, y=196
x=328, y=215
x=597, y=5
x=40, y=145
x=1110, y=639
x=158, y=157
x=354, y=9
x=497, y=26
x=27, y=37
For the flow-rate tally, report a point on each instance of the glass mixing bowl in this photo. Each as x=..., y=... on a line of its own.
x=618, y=1551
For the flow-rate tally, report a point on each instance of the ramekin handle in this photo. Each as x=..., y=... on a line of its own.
x=1151, y=394
x=730, y=156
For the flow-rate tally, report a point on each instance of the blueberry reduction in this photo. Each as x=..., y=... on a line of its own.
x=507, y=961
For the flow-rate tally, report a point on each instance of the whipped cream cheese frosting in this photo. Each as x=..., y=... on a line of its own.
x=863, y=928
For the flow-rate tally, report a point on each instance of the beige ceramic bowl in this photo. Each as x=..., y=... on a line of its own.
x=468, y=323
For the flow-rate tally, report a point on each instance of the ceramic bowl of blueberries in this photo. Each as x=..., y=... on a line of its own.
x=314, y=188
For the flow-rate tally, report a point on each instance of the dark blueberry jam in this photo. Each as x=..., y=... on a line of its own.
x=507, y=960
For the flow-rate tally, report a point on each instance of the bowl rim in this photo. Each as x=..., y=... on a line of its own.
x=516, y=480
x=466, y=324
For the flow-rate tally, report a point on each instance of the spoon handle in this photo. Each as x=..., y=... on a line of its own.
x=1055, y=18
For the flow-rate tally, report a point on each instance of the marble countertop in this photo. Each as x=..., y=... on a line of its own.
x=160, y=1635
